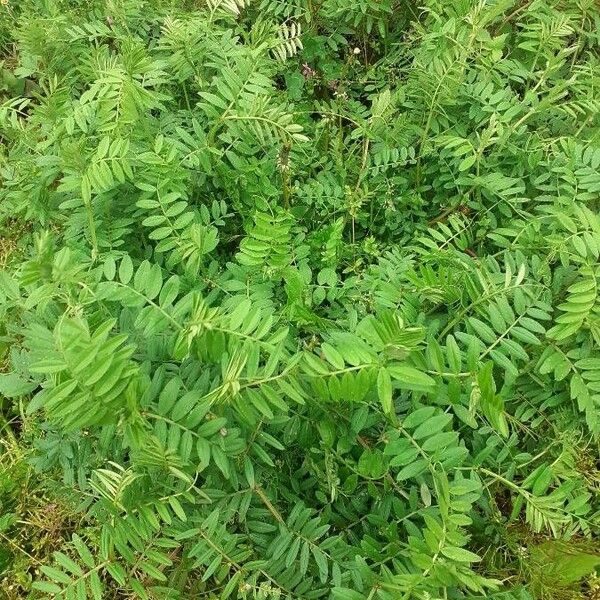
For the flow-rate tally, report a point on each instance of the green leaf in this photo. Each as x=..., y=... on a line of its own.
x=55, y=574
x=418, y=416
x=126, y=269
x=413, y=469
x=67, y=563
x=431, y=426
x=332, y=356
x=467, y=162
x=410, y=378
x=96, y=587
x=321, y=561
x=46, y=587
x=459, y=554
x=342, y=593
x=384, y=389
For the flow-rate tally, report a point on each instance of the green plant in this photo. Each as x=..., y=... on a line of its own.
x=299, y=299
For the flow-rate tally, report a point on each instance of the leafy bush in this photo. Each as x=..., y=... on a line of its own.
x=299, y=299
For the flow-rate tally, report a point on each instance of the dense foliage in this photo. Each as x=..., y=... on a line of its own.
x=299, y=299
